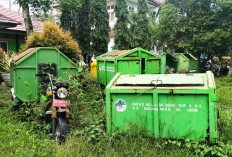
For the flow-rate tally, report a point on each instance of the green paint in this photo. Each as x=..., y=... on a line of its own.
x=23, y=71
x=187, y=62
x=136, y=61
x=184, y=110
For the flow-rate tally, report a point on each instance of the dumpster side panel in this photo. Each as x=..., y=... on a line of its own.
x=30, y=61
x=177, y=118
x=132, y=113
x=110, y=71
x=193, y=64
x=152, y=66
x=101, y=72
x=183, y=64
x=129, y=66
x=64, y=62
x=65, y=67
x=183, y=116
x=47, y=56
x=25, y=88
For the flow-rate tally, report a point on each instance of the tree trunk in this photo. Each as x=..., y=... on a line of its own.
x=27, y=19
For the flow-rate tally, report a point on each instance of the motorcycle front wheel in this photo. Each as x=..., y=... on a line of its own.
x=61, y=130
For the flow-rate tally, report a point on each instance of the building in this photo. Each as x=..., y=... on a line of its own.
x=13, y=30
x=132, y=6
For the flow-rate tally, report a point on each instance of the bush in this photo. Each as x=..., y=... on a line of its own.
x=54, y=36
x=5, y=59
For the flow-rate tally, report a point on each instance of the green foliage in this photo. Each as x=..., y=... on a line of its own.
x=54, y=36
x=5, y=60
x=195, y=26
x=37, y=6
x=121, y=27
x=141, y=27
x=99, y=20
x=5, y=97
x=75, y=18
x=88, y=135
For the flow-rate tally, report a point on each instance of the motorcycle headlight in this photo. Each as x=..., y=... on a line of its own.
x=62, y=93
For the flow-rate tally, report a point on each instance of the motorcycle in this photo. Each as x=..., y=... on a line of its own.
x=225, y=68
x=56, y=106
x=212, y=66
x=218, y=70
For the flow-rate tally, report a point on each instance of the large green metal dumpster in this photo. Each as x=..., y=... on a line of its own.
x=170, y=63
x=35, y=60
x=136, y=61
x=180, y=106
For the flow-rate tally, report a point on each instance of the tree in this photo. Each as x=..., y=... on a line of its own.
x=75, y=17
x=198, y=26
x=36, y=6
x=99, y=20
x=141, y=31
x=121, y=27
x=53, y=36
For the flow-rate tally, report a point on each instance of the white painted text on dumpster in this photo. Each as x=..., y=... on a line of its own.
x=166, y=107
x=103, y=68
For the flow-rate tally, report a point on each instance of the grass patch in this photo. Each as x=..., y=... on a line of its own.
x=89, y=138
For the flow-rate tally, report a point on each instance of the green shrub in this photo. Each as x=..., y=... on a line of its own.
x=54, y=36
x=5, y=60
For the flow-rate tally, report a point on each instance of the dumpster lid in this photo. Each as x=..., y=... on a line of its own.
x=25, y=53
x=114, y=54
x=161, y=80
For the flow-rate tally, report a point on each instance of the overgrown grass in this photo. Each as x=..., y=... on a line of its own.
x=89, y=138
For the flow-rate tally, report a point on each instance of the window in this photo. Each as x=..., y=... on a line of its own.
x=109, y=7
x=131, y=8
x=4, y=45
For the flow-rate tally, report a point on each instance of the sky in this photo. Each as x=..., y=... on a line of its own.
x=13, y=6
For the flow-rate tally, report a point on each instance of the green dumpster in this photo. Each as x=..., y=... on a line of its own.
x=35, y=60
x=136, y=61
x=183, y=63
x=193, y=62
x=175, y=106
x=187, y=63
x=169, y=62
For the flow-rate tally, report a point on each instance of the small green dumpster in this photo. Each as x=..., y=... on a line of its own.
x=183, y=63
x=136, y=61
x=179, y=106
x=193, y=62
x=35, y=60
x=169, y=62
x=187, y=63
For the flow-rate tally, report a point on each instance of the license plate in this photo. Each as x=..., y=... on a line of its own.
x=60, y=103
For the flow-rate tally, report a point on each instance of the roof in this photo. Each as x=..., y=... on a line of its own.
x=120, y=53
x=157, y=2
x=15, y=17
x=114, y=54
